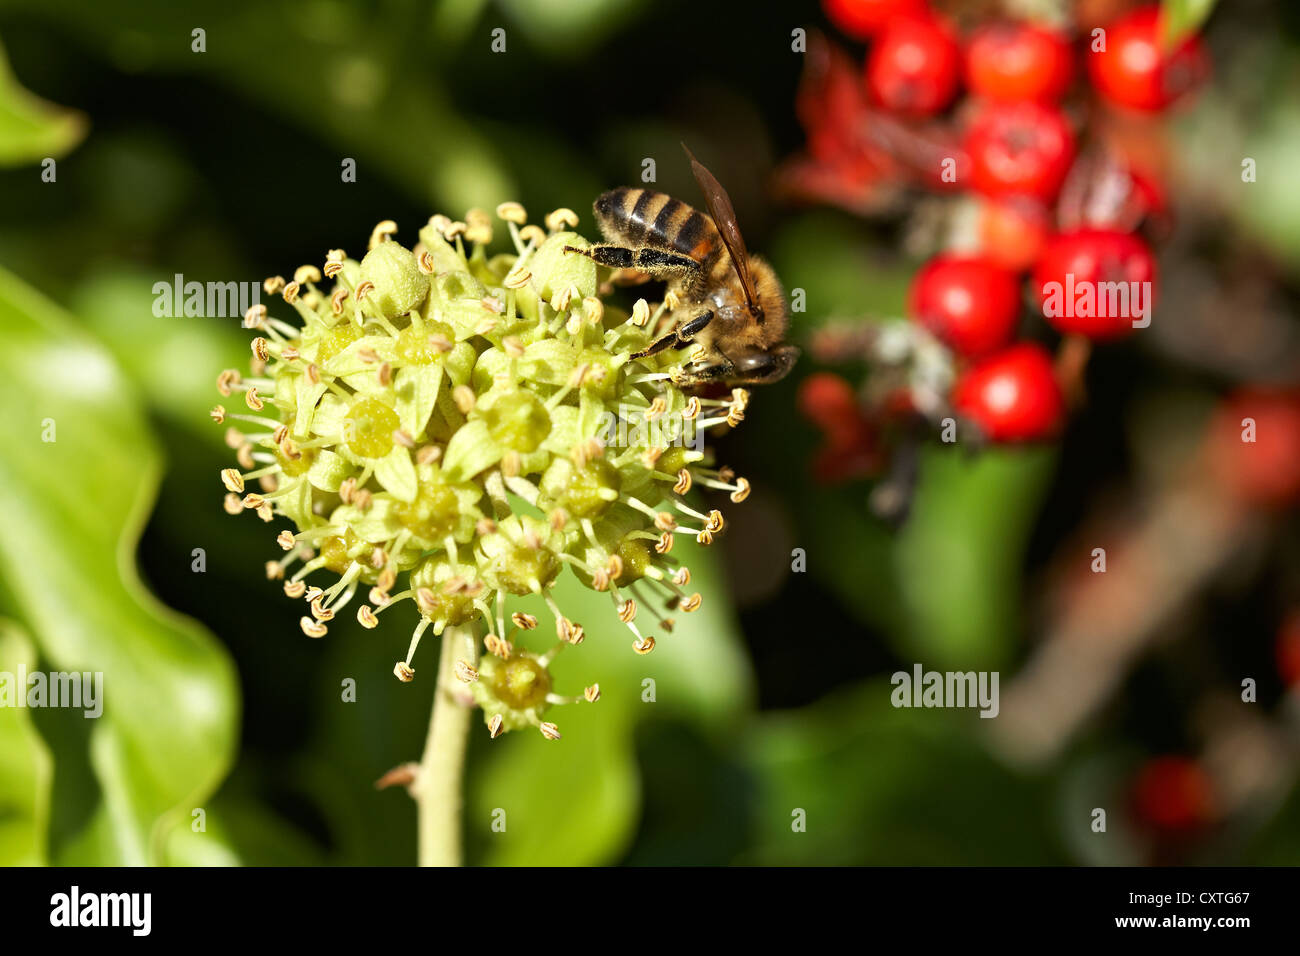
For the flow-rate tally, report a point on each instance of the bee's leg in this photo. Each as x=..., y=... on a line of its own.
x=679, y=337
x=628, y=277
x=713, y=367
x=655, y=262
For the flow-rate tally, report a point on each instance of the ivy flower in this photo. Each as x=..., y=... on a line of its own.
x=450, y=428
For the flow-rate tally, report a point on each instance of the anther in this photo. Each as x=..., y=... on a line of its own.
x=512, y=212
x=466, y=673
x=313, y=628
x=464, y=398
x=255, y=317
x=381, y=232
x=560, y=219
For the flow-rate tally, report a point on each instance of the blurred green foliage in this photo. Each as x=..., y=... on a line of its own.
x=76, y=498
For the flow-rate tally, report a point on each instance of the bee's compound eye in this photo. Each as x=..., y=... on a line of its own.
x=759, y=366
x=753, y=362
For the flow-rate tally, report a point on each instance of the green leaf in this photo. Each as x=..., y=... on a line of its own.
x=958, y=559
x=77, y=480
x=175, y=372
x=883, y=786
x=567, y=29
x=1181, y=18
x=1267, y=208
x=342, y=64
x=25, y=765
x=30, y=128
x=831, y=257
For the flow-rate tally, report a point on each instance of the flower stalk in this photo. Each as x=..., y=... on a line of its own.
x=439, y=790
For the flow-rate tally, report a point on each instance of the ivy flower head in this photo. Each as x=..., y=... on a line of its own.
x=450, y=428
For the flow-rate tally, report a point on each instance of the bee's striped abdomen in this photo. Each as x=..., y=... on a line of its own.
x=646, y=217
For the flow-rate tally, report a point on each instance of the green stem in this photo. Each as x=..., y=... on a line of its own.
x=439, y=796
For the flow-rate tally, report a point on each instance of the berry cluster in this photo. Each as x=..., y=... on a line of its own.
x=1034, y=187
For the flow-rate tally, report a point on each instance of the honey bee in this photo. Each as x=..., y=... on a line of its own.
x=733, y=302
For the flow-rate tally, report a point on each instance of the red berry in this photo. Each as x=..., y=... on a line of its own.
x=1013, y=396
x=828, y=401
x=967, y=302
x=1084, y=282
x=1173, y=794
x=863, y=19
x=1020, y=147
x=1265, y=471
x=914, y=66
x=1136, y=71
x=1018, y=61
x=849, y=449
x=1288, y=649
x=1013, y=230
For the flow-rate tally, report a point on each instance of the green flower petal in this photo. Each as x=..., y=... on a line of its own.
x=396, y=472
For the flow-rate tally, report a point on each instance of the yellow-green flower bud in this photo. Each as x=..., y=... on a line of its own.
x=514, y=690
x=516, y=418
x=399, y=285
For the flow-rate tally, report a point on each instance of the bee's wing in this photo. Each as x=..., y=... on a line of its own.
x=724, y=217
